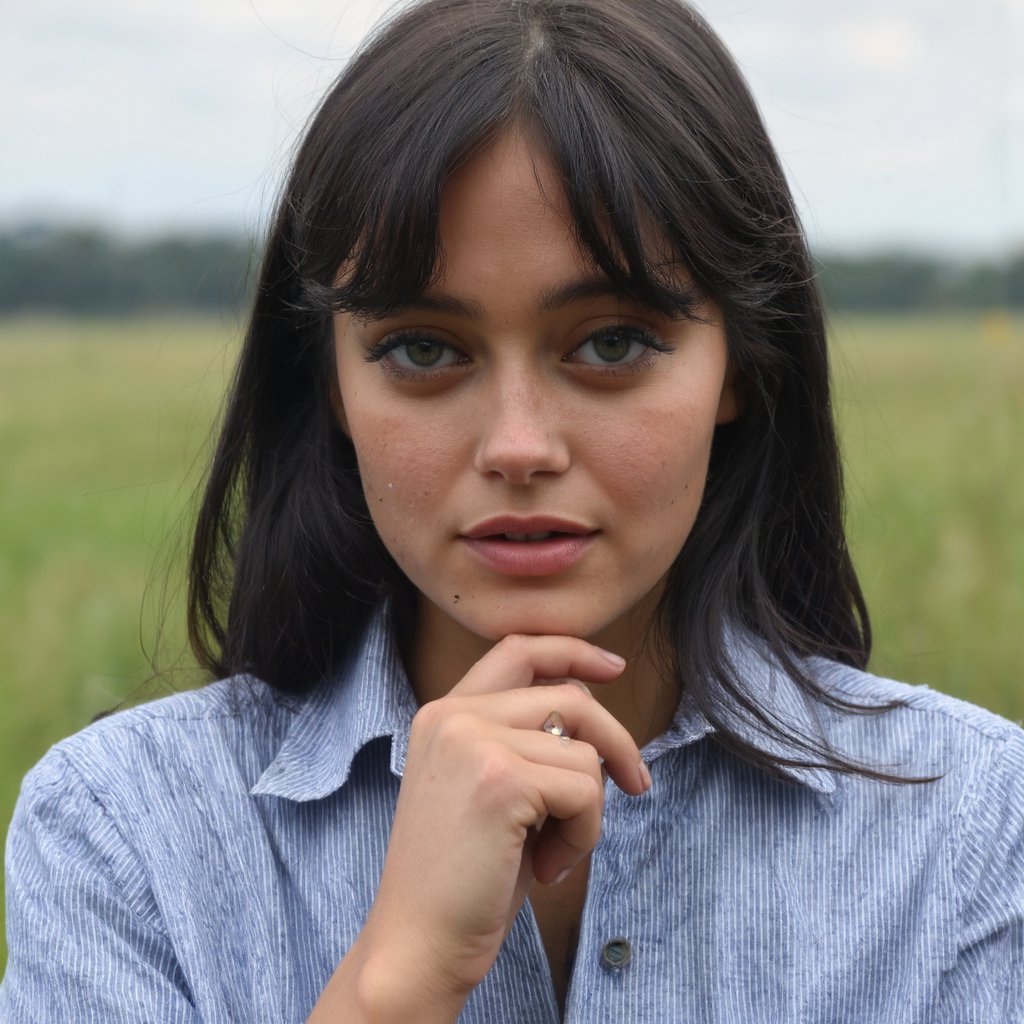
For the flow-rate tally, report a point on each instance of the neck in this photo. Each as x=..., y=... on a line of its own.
x=643, y=698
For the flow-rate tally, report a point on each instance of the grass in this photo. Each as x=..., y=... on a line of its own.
x=101, y=425
x=104, y=427
x=932, y=420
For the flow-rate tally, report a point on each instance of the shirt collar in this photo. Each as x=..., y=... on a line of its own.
x=770, y=688
x=370, y=698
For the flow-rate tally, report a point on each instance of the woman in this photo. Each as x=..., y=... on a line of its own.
x=528, y=477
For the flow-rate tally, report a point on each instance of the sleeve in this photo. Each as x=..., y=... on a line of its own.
x=986, y=982
x=83, y=945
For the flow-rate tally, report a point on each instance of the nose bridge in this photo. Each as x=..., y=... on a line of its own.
x=522, y=427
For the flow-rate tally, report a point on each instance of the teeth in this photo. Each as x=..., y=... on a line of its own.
x=527, y=536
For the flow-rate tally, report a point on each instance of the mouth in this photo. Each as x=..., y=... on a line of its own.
x=523, y=530
x=534, y=546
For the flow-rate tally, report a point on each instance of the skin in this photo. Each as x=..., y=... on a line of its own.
x=592, y=410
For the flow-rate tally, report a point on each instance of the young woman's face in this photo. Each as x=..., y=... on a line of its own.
x=533, y=447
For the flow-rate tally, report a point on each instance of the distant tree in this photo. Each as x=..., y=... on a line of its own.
x=903, y=281
x=85, y=270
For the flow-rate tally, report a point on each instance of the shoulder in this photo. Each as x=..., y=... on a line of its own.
x=978, y=755
x=917, y=711
x=917, y=700
x=228, y=730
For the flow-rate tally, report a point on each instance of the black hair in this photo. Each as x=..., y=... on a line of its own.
x=651, y=126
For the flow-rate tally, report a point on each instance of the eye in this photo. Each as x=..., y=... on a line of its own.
x=414, y=353
x=617, y=345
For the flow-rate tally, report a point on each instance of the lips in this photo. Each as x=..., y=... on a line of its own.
x=526, y=528
x=529, y=546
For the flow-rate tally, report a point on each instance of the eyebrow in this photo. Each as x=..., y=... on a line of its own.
x=552, y=299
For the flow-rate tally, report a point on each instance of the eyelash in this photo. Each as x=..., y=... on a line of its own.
x=378, y=353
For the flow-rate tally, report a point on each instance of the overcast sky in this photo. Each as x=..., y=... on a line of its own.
x=898, y=121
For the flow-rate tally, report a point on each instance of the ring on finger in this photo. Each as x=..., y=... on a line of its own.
x=554, y=724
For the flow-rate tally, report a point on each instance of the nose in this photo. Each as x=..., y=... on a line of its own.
x=522, y=432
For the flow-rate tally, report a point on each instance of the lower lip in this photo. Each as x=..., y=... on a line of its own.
x=530, y=557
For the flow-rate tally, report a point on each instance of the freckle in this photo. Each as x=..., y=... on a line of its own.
x=455, y=599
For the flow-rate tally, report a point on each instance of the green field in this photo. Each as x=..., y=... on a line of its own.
x=104, y=428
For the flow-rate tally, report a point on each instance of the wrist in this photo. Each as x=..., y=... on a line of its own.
x=390, y=988
x=381, y=985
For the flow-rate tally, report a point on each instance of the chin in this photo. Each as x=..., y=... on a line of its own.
x=542, y=619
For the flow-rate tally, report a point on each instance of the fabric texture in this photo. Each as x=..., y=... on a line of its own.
x=211, y=856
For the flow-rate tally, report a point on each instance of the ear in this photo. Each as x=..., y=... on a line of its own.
x=730, y=402
x=338, y=406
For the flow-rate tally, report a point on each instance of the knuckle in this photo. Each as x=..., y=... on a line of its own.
x=426, y=717
x=454, y=728
x=513, y=647
x=442, y=723
x=574, y=695
x=495, y=785
x=492, y=768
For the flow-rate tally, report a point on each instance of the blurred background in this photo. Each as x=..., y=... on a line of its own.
x=141, y=149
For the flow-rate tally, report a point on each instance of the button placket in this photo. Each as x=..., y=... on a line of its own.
x=612, y=949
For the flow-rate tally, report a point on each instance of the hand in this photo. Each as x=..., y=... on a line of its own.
x=489, y=803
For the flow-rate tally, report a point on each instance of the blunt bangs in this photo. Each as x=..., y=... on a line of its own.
x=620, y=108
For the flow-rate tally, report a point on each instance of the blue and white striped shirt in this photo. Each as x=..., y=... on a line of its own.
x=210, y=857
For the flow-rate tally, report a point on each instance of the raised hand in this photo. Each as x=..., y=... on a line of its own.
x=489, y=803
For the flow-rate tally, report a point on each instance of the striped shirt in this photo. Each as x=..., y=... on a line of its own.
x=211, y=856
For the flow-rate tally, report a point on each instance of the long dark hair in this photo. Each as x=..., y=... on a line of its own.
x=651, y=126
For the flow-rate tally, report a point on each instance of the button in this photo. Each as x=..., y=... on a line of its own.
x=616, y=954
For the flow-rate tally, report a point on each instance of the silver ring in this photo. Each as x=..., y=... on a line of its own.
x=554, y=725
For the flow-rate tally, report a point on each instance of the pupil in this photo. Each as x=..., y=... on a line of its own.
x=424, y=353
x=613, y=346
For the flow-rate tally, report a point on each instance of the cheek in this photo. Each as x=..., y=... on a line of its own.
x=661, y=462
x=402, y=469
x=655, y=479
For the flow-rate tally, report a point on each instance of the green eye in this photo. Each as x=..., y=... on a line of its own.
x=423, y=353
x=617, y=345
x=612, y=347
x=414, y=353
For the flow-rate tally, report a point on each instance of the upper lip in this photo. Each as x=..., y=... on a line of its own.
x=524, y=524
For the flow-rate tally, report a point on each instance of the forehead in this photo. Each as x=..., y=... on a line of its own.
x=505, y=217
x=503, y=205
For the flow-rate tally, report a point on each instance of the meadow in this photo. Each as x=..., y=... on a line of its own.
x=105, y=426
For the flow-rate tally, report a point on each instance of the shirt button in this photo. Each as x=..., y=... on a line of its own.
x=616, y=954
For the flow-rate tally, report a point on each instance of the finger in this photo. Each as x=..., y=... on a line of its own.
x=585, y=720
x=517, y=660
x=574, y=802
x=553, y=751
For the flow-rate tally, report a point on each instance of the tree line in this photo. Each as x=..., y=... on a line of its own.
x=90, y=271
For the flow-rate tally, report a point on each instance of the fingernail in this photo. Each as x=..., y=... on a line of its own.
x=582, y=686
x=645, y=774
x=612, y=658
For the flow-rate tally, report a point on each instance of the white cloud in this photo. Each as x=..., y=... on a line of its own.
x=880, y=43
x=884, y=112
